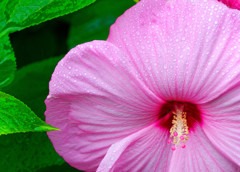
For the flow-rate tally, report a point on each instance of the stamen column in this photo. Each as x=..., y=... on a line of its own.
x=179, y=130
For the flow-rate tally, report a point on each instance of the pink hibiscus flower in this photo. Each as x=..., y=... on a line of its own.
x=232, y=3
x=161, y=94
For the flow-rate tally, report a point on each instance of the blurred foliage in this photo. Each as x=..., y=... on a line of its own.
x=34, y=48
x=40, y=42
x=27, y=152
x=59, y=168
x=96, y=21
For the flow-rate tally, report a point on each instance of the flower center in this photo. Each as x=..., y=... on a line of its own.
x=179, y=118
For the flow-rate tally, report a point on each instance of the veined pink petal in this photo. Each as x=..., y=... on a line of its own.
x=221, y=123
x=95, y=100
x=106, y=96
x=146, y=150
x=200, y=155
x=183, y=50
x=232, y=3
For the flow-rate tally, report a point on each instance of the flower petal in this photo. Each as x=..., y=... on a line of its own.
x=221, y=123
x=95, y=100
x=232, y=3
x=200, y=155
x=183, y=50
x=145, y=150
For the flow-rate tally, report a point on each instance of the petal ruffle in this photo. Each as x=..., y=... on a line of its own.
x=183, y=50
x=221, y=123
x=145, y=150
x=95, y=100
x=200, y=155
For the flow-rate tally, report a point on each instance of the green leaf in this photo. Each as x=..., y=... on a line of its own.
x=16, y=15
x=30, y=151
x=98, y=17
x=7, y=62
x=16, y=117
